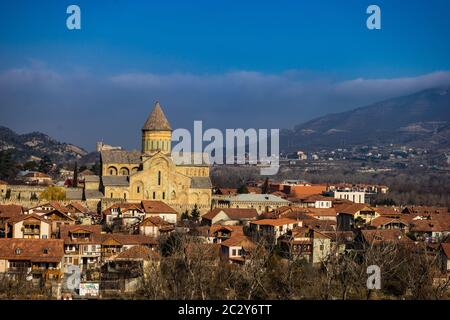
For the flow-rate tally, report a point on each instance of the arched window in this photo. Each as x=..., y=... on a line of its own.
x=159, y=178
x=112, y=171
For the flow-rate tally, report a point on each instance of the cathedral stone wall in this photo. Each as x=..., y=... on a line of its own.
x=152, y=174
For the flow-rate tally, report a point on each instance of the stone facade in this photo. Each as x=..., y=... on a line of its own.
x=151, y=174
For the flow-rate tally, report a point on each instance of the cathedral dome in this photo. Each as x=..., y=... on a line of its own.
x=157, y=121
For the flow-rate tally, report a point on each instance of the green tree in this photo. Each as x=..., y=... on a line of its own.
x=185, y=215
x=53, y=193
x=75, y=176
x=265, y=186
x=195, y=213
x=45, y=165
x=8, y=168
x=31, y=165
x=242, y=189
x=96, y=168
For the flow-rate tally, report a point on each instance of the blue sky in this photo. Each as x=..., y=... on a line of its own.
x=263, y=64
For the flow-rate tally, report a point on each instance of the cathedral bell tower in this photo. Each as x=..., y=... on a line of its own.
x=156, y=132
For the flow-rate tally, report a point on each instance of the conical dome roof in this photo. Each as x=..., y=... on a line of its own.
x=157, y=121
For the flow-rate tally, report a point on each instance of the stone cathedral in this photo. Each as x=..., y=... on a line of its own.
x=151, y=174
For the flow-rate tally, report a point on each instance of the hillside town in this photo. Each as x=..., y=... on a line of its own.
x=145, y=227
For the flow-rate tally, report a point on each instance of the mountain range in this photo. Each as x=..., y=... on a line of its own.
x=35, y=145
x=421, y=119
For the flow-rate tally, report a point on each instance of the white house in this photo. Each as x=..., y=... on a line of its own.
x=272, y=229
x=236, y=249
x=354, y=196
x=30, y=226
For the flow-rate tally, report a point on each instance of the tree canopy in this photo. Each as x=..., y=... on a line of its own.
x=53, y=193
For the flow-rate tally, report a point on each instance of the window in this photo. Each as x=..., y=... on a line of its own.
x=154, y=195
x=138, y=189
x=321, y=247
x=159, y=178
x=18, y=250
x=125, y=196
x=164, y=195
x=234, y=252
x=45, y=250
x=111, y=194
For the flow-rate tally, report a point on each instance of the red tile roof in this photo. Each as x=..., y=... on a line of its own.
x=232, y=213
x=153, y=206
x=383, y=220
x=94, y=230
x=35, y=250
x=322, y=212
x=59, y=206
x=10, y=210
x=234, y=230
x=57, y=212
x=227, y=191
x=155, y=221
x=425, y=210
x=274, y=222
x=379, y=236
x=124, y=206
x=388, y=211
x=23, y=217
x=256, y=190
x=352, y=208
x=239, y=241
x=78, y=206
x=140, y=253
x=436, y=223
x=313, y=198
x=129, y=239
x=446, y=249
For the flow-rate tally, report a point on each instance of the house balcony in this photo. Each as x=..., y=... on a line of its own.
x=19, y=270
x=80, y=239
x=71, y=252
x=27, y=231
x=91, y=254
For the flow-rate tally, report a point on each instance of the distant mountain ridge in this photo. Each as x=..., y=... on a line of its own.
x=420, y=119
x=36, y=144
